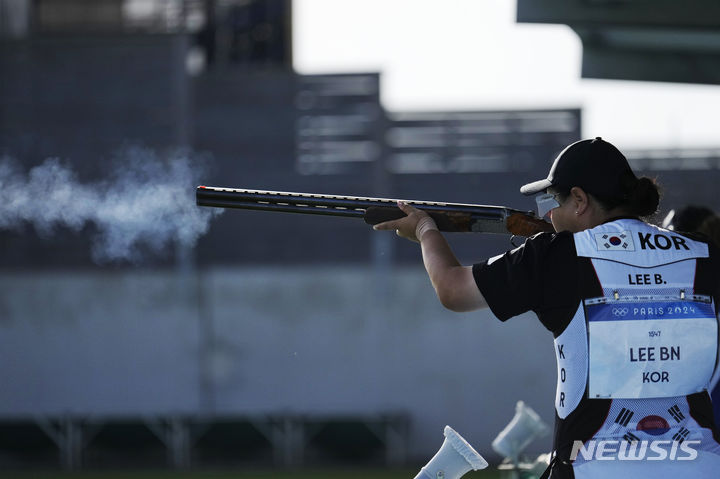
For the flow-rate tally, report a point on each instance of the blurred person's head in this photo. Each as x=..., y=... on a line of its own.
x=690, y=218
x=695, y=219
x=710, y=227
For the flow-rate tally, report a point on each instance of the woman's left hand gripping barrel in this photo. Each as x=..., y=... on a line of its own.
x=413, y=226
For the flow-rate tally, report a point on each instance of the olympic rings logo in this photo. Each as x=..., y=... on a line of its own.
x=619, y=311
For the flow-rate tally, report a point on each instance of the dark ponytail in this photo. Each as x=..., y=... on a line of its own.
x=641, y=198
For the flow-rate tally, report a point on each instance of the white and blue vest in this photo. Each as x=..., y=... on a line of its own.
x=646, y=342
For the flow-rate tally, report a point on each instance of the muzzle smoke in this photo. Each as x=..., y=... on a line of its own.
x=147, y=203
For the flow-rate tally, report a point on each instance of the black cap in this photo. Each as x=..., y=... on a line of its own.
x=596, y=166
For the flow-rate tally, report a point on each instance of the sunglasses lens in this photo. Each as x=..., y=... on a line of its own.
x=545, y=203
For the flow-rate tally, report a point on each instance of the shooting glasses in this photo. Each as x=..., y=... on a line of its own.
x=545, y=203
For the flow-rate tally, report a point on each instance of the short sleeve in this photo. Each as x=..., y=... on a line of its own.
x=538, y=276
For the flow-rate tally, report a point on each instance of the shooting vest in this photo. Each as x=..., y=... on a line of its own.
x=646, y=342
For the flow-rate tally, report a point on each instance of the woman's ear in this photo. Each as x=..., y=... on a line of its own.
x=580, y=200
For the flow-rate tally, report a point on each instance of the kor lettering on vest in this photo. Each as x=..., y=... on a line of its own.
x=661, y=241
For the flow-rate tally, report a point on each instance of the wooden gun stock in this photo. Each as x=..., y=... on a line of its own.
x=450, y=217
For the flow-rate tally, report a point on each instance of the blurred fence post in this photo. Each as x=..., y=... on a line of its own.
x=67, y=434
x=286, y=434
x=174, y=432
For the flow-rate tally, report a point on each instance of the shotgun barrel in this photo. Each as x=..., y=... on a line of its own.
x=450, y=217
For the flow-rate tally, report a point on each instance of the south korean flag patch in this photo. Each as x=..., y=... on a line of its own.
x=614, y=241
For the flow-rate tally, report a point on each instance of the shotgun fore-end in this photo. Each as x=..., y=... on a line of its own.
x=520, y=224
x=448, y=221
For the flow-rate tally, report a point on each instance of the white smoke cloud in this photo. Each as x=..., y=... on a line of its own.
x=147, y=203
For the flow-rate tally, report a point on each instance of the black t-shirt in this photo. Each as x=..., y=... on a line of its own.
x=540, y=276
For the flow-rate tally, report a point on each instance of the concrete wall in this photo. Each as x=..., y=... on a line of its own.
x=353, y=340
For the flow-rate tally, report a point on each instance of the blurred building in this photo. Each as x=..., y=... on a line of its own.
x=648, y=40
x=281, y=339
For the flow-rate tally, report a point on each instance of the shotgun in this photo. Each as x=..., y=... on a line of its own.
x=450, y=217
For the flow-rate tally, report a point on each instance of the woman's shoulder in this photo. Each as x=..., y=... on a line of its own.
x=562, y=239
x=549, y=248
